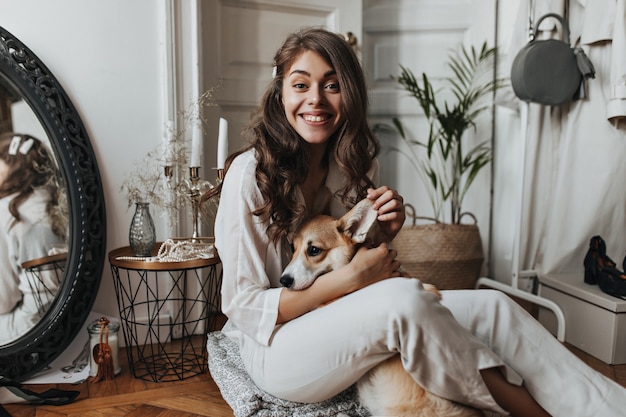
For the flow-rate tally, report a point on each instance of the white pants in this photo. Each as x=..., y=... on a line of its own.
x=443, y=346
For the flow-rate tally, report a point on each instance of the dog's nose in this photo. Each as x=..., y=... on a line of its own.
x=286, y=281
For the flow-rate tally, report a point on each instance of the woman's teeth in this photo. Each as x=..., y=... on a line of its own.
x=315, y=118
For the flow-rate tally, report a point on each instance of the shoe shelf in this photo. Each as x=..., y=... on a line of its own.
x=573, y=285
x=595, y=321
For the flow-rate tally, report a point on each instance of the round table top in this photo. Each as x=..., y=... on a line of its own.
x=33, y=263
x=124, y=258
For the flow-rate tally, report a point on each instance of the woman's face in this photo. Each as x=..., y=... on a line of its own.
x=312, y=98
x=4, y=171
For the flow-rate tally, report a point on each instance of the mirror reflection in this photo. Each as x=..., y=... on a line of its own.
x=33, y=218
x=61, y=293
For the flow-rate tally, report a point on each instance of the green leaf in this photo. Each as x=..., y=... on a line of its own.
x=398, y=124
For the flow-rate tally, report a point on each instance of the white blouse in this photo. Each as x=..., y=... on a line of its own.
x=252, y=264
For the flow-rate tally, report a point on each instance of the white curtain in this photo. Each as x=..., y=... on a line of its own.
x=576, y=156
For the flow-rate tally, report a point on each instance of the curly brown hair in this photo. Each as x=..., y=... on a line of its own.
x=28, y=170
x=283, y=159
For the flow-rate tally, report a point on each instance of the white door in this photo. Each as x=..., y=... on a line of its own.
x=239, y=42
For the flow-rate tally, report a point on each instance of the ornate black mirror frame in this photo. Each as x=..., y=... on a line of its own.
x=30, y=353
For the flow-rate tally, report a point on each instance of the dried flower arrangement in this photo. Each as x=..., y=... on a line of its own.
x=147, y=182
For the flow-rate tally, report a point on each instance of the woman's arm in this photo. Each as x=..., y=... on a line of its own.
x=249, y=259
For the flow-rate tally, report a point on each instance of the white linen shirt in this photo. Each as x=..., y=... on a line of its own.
x=251, y=263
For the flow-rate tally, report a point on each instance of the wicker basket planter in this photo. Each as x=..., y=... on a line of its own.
x=449, y=256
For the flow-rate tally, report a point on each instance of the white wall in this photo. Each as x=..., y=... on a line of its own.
x=107, y=57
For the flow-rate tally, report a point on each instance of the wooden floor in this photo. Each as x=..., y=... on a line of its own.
x=128, y=396
x=196, y=396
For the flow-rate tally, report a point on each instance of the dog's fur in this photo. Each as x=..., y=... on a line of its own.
x=324, y=244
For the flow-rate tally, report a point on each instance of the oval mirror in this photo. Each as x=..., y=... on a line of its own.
x=28, y=89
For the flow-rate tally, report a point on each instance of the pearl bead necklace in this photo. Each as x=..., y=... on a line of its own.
x=176, y=251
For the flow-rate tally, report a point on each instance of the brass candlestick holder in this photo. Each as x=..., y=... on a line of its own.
x=193, y=188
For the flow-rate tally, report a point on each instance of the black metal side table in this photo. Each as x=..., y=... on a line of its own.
x=166, y=310
x=44, y=277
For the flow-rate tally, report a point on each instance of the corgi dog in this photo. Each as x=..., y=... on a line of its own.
x=323, y=244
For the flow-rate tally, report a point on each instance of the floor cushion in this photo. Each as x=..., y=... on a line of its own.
x=247, y=400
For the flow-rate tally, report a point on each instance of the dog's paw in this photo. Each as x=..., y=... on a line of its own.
x=433, y=289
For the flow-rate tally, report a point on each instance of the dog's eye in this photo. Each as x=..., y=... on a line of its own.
x=313, y=251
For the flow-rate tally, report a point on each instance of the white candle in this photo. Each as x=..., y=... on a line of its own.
x=196, y=145
x=168, y=143
x=222, y=144
x=196, y=134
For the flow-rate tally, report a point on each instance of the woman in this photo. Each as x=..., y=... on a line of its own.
x=31, y=224
x=478, y=348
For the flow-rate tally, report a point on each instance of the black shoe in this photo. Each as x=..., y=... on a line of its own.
x=612, y=281
x=596, y=259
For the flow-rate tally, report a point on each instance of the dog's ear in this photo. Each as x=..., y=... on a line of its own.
x=360, y=223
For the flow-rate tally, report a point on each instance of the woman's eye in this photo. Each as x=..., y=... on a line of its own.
x=299, y=86
x=332, y=86
x=313, y=251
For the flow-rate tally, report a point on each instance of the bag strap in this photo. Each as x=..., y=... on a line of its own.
x=564, y=25
x=531, y=15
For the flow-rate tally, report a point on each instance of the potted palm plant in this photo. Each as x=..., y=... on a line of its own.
x=447, y=164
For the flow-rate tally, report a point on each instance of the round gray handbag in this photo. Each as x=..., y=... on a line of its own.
x=549, y=71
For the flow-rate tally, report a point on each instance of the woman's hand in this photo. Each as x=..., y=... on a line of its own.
x=373, y=265
x=390, y=207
